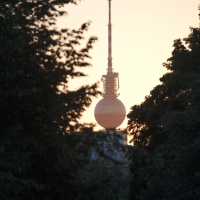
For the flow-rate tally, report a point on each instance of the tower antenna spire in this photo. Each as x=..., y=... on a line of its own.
x=199, y=13
x=110, y=69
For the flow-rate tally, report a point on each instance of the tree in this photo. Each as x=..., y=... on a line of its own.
x=166, y=126
x=103, y=180
x=38, y=157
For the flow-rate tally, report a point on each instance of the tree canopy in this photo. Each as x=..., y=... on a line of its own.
x=32, y=69
x=166, y=129
x=39, y=159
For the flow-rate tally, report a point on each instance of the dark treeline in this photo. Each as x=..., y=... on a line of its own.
x=165, y=161
x=39, y=159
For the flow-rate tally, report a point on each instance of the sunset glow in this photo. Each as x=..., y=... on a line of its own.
x=143, y=35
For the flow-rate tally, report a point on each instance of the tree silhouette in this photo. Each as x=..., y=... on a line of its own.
x=38, y=157
x=165, y=129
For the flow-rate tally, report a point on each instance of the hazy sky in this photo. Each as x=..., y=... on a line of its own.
x=143, y=32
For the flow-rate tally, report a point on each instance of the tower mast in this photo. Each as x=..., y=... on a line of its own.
x=110, y=69
x=199, y=13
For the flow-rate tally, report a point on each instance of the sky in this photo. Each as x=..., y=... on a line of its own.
x=143, y=32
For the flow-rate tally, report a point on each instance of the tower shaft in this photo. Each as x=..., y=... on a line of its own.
x=199, y=13
x=110, y=69
x=111, y=79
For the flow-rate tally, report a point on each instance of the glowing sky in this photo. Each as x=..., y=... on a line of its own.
x=143, y=32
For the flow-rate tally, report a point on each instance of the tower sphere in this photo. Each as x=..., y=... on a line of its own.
x=110, y=112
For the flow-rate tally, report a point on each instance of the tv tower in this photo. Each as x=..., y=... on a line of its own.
x=110, y=111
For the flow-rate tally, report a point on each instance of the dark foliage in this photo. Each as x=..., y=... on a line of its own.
x=38, y=157
x=166, y=126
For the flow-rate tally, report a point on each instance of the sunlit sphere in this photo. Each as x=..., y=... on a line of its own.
x=110, y=112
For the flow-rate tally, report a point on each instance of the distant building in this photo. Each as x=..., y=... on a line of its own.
x=113, y=146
